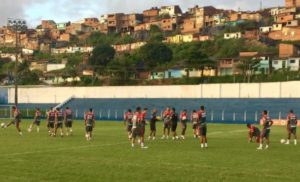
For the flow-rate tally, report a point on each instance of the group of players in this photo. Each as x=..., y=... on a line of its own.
x=263, y=136
x=135, y=123
x=56, y=118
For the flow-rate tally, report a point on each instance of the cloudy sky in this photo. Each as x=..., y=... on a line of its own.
x=62, y=10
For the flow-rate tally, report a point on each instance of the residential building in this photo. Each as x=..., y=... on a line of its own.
x=292, y=3
x=265, y=29
x=277, y=27
x=114, y=22
x=71, y=50
x=78, y=28
x=128, y=47
x=189, y=25
x=249, y=16
x=293, y=23
x=168, y=24
x=172, y=11
x=103, y=19
x=150, y=15
x=199, y=17
x=288, y=50
x=53, y=67
x=228, y=66
x=234, y=35
x=278, y=64
x=129, y=21
x=93, y=23
x=180, y=38
x=65, y=37
x=63, y=26
x=48, y=24
x=207, y=72
x=88, y=73
x=286, y=34
x=274, y=11
x=293, y=63
x=55, y=34
x=38, y=65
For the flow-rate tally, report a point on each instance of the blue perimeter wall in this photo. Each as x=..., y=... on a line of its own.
x=218, y=110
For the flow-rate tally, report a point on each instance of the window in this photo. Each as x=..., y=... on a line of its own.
x=292, y=61
x=275, y=62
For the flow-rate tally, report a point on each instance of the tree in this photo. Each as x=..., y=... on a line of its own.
x=155, y=54
x=197, y=59
x=246, y=65
x=155, y=34
x=74, y=59
x=26, y=76
x=102, y=55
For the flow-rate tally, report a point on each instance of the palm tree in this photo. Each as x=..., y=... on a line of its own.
x=246, y=65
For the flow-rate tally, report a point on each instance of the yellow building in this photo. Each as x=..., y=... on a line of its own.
x=176, y=39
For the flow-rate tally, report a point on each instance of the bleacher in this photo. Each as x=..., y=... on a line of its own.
x=218, y=110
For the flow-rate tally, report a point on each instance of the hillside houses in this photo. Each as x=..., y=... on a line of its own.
x=278, y=25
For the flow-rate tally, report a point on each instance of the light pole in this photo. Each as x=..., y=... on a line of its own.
x=17, y=26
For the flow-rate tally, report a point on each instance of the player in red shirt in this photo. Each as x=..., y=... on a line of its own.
x=128, y=123
x=183, y=121
x=89, y=122
x=167, y=123
x=291, y=126
x=254, y=132
x=36, y=120
x=16, y=121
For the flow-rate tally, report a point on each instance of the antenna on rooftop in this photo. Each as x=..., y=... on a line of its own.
x=261, y=5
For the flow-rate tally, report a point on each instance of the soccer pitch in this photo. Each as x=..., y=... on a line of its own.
x=109, y=156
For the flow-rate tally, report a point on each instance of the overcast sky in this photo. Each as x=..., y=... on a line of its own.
x=63, y=10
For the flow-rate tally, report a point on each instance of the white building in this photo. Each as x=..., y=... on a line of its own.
x=278, y=64
x=103, y=19
x=235, y=35
x=293, y=63
x=53, y=67
x=170, y=10
x=277, y=27
x=72, y=50
x=27, y=52
x=274, y=11
x=266, y=29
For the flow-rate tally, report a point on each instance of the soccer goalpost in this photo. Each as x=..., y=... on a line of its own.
x=5, y=111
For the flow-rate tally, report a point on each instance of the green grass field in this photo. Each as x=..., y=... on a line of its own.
x=109, y=156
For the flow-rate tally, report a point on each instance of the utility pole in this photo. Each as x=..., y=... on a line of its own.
x=17, y=26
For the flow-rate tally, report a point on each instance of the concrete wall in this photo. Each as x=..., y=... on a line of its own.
x=252, y=90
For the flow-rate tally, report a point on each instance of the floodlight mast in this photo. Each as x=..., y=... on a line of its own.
x=17, y=26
